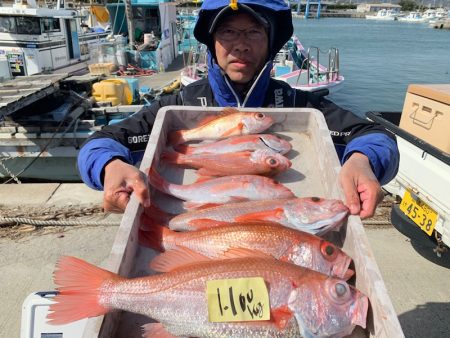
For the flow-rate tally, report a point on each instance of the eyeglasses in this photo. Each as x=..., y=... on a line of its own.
x=232, y=34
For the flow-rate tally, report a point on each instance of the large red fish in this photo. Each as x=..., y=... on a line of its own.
x=259, y=162
x=302, y=301
x=231, y=122
x=238, y=143
x=270, y=238
x=311, y=214
x=221, y=190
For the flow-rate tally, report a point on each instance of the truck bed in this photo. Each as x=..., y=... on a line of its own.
x=424, y=172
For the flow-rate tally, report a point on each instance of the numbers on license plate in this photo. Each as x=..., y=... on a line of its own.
x=419, y=212
x=421, y=218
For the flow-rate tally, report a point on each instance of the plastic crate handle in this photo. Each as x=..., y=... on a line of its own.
x=420, y=122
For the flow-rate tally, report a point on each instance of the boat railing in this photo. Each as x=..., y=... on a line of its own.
x=196, y=61
x=316, y=71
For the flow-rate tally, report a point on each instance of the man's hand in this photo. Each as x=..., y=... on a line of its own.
x=120, y=180
x=361, y=188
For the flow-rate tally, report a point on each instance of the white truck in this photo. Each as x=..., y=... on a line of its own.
x=423, y=180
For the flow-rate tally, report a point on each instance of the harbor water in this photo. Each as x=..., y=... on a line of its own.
x=379, y=59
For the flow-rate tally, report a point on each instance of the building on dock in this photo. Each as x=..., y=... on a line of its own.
x=363, y=8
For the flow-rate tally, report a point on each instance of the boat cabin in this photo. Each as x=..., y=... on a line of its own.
x=36, y=39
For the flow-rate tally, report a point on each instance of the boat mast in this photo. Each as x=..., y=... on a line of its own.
x=130, y=23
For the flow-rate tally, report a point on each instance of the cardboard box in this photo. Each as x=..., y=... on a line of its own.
x=314, y=172
x=426, y=114
x=102, y=68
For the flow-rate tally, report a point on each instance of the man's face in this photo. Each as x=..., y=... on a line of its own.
x=241, y=45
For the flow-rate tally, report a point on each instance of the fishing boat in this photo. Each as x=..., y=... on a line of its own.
x=39, y=39
x=303, y=69
x=384, y=15
x=44, y=119
x=414, y=17
x=195, y=65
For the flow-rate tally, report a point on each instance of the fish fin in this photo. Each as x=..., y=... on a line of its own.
x=172, y=157
x=153, y=236
x=207, y=119
x=231, y=131
x=79, y=284
x=176, y=137
x=157, y=181
x=172, y=259
x=281, y=316
x=261, y=215
x=243, y=253
x=199, y=205
x=152, y=330
x=204, y=223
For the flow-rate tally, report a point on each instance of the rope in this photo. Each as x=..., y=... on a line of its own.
x=376, y=223
x=11, y=220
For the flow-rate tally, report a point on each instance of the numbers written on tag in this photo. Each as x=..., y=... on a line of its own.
x=239, y=299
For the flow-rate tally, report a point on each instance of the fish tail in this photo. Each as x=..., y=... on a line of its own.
x=157, y=181
x=79, y=285
x=153, y=236
x=172, y=157
x=176, y=137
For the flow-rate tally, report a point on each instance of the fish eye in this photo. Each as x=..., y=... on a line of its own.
x=328, y=250
x=315, y=199
x=260, y=116
x=272, y=162
x=341, y=289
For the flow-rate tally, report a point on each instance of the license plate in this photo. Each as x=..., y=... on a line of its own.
x=419, y=212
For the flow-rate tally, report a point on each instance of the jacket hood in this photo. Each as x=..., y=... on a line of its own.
x=275, y=15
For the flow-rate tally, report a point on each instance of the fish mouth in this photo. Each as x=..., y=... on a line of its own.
x=342, y=270
x=329, y=224
x=268, y=146
x=348, y=274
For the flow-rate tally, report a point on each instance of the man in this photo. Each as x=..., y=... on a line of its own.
x=242, y=38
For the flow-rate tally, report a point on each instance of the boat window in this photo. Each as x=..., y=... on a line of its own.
x=50, y=25
x=147, y=20
x=28, y=25
x=7, y=24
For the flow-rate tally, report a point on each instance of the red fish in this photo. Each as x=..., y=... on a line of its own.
x=311, y=214
x=222, y=190
x=270, y=238
x=302, y=301
x=238, y=143
x=259, y=162
x=231, y=123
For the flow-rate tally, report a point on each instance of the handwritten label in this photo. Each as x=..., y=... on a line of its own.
x=239, y=299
